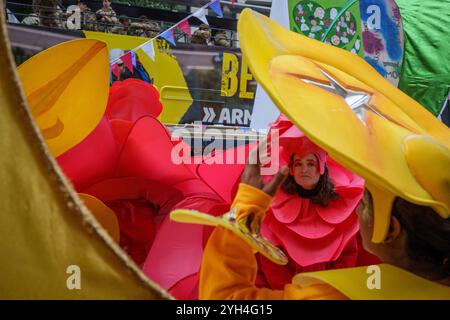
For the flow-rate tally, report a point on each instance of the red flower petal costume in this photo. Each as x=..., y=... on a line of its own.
x=127, y=163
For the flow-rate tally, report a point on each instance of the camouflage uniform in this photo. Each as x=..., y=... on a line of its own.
x=221, y=39
x=202, y=35
x=136, y=29
x=145, y=28
x=122, y=27
x=88, y=20
x=106, y=19
x=119, y=29
x=32, y=20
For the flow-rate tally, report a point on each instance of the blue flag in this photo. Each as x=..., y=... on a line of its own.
x=168, y=35
x=215, y=6
x=133, y=58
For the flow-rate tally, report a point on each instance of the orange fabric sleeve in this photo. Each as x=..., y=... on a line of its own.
x=229, y=266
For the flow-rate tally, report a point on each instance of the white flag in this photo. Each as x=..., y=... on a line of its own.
x=201, y=14
x=149, y=49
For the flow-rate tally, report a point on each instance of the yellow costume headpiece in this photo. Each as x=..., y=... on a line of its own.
x=343, y=105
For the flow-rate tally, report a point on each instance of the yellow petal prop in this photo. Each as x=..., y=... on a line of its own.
x=67, y=90
x=46, y=231
x=228, y=221
x=303, y=76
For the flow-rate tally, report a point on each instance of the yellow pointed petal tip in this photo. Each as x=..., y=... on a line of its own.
x=104, y=215
x=378, y=147
x=429, y=161
x=67, y=90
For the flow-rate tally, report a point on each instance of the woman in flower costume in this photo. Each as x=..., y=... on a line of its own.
x=312, y=217
x=397, y=146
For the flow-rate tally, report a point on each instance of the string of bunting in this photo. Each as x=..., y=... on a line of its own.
x=129, y=58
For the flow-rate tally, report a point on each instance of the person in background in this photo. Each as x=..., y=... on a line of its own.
x=121, y=71
x=144, y=28
x=152, y=28
x=106, y=17
x=416, y=251
x=31, y=20
x=221, y=39
x=122, y=27
x=202, y=35
x=312, y=217
x=48, y=12
x=88, y=18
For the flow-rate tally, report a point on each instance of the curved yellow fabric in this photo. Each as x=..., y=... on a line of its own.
x=67, y=90
x=229, y=270
x=294, y=69
x=395, y=283
x=44, y=226
x=104, y=215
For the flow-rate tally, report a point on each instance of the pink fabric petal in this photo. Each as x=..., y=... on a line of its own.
x=306, y=223
x=339, y=210
x=131, y=99
x=93, y=159
x=308, y=241
x=148, y=154
x=224, y=178
x=286, y=208
x=341, y=177
x=306, y=251
x=177, y=249
x=309, y=226
x=348, y=228
x=184, y=242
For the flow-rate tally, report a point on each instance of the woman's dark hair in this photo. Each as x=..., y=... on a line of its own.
x=428, y=235
x=322, y=193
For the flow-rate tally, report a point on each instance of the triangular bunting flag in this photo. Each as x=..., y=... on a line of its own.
x=201, y=15
x=233, y=2
x=168, y=35
x=149, y=50
x=215, y=6
x=128, y=61
x=115, y=70
x=133, y=58
x=185, y=27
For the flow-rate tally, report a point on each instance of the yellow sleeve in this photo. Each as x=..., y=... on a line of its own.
x=229, y=266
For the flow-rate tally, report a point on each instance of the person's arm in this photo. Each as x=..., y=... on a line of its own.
x=229, y=266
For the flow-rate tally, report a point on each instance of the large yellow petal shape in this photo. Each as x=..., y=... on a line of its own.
x=44, y=226
x=392, y=288
x=67, y=90
x=293, y=69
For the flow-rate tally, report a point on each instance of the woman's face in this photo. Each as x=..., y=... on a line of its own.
x=305, y=170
